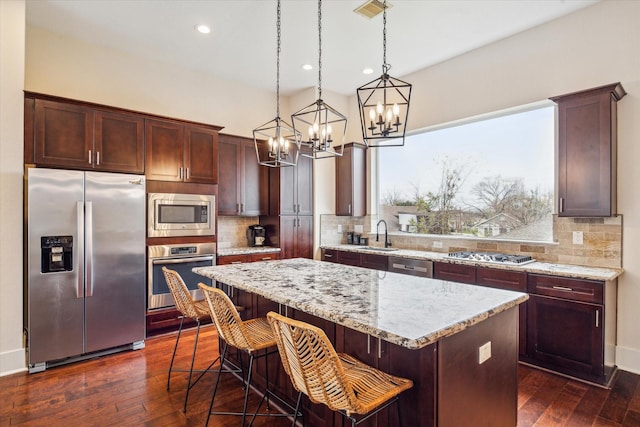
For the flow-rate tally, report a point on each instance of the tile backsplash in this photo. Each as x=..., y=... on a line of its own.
x=232, y=231
x=601, y=240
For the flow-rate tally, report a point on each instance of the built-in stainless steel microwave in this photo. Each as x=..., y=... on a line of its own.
x=181, y=215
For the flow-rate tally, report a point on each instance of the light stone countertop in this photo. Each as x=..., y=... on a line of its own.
x=246, y=250
x=409, y=311
x=565, y=270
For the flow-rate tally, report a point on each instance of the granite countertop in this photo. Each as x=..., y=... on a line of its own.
x=565, y=270
x=410, y=311
x=245, y=250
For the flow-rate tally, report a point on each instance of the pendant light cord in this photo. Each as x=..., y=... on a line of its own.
x=319, y=49
x=278, y=64
x=385, y=67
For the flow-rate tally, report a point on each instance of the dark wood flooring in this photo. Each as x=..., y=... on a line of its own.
x=130, y=389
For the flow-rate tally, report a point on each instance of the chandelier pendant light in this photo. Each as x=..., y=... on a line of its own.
x=277, y=143
x=324, y=126
x=384, y=104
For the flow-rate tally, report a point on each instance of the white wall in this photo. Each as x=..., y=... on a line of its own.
x=12, y=24
x=592, y=47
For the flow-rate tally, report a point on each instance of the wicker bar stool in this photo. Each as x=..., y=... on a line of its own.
x=339, y=381
x=253, y=336
x=191, y=309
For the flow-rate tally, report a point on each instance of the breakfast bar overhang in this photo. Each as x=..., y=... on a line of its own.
x=457, y=342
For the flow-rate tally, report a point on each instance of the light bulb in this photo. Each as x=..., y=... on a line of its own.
x=270, y=143
x=396, y=110
x=389, y=116
x=379, y=108
x=372, y=114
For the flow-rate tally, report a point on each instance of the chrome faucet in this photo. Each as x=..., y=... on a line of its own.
x=387, y=243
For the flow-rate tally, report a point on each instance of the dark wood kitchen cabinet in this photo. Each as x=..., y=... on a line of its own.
x=454, y=272
x=181, y=152
x=243, y=183
x=587, y=152
x=77, y=136
x=566, y=326
x=351, y=181
x=291, y=191
x=511, y=281
x=296, y=236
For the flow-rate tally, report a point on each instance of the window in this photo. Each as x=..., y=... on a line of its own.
x=488, y=178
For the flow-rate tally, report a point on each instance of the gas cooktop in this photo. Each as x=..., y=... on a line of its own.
x=492, y=257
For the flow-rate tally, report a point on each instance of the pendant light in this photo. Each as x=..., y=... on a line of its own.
x=325, y=127
x=384, y=104
x=277, y=143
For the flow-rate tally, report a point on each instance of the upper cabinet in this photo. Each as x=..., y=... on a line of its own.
x=243, y=184
x=70, y=135
x=182, y=152
x=292, y=189
x=587, y=150
x=351, y=181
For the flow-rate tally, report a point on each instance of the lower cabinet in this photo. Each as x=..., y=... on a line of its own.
x=566, y=327
x=454, y=272
x=296, y=236
x=511, y=281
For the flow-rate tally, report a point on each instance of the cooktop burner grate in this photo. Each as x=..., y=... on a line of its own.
x=492, y=257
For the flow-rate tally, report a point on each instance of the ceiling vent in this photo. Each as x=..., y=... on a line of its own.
x=371, y=8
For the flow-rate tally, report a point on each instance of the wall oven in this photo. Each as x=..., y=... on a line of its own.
x=181, y=258
x=171, y=214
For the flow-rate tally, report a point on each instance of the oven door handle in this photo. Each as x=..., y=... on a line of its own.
x=181, y=260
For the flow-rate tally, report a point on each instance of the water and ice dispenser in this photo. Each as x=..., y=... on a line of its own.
x=56, y=253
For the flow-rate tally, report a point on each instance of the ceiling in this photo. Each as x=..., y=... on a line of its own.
x=242, y=42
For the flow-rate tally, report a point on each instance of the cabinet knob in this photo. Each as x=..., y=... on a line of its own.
x=187, y=173
x=98, y=158
x=89, y=156
x=561, y=205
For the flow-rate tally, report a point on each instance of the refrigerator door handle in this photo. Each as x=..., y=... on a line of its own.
x=89, y=247
x=78, y=263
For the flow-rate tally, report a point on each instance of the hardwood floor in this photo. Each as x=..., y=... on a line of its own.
x=130, y=389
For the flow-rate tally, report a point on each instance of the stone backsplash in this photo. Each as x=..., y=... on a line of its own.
x=601, y=246
x=232, y=231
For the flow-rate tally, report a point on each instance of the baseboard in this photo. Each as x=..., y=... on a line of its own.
x=628, y=359
x=12, y=362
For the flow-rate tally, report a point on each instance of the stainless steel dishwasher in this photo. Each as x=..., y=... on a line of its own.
x=412, y=266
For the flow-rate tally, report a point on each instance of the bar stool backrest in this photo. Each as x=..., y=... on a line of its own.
x=226, y=318
x=181, y=295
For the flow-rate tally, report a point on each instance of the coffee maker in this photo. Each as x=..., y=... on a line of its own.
x=256, y=235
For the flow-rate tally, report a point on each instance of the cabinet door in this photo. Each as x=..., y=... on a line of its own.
x=304, y=181
x=330, y=255
x=200, y=155
x=265, y=257
x=119, y=142
x=351, y=181
x=454, y=272
x=229, y=182
x=349, y=258
x=304, y=237
x=587, y=152
x=566, y=335
x=288, y=231
x=255, y=180
x=233, y=259
x=164, y=150
x=374, y=261
x=288, y=187
x=63, y=135
x=511, y=281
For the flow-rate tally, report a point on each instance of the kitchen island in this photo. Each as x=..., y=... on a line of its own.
x=458, y=343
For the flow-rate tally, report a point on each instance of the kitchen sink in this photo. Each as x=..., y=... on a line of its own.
x=371, y=248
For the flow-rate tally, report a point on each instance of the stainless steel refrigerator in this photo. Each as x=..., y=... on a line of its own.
x=85, y=290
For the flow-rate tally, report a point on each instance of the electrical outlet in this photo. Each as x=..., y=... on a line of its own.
x=339, y=228
x=577, y=238
x=358, y=228
x=484, y=353
x=437, y=245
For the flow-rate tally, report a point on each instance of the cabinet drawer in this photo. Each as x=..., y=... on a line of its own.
x=567, y=288
x=233, y=259
x=455, y=272
x=330, y=255
x=502, y=279
x=374, y=261
x=349, y=258
x=265, y=257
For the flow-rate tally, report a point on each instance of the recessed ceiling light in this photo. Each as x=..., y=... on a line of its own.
x=202, y=28
x=367, y=71
x=307, y=67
